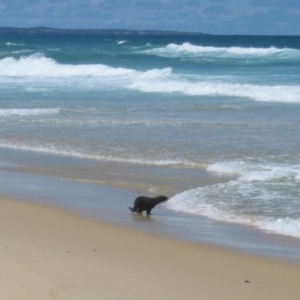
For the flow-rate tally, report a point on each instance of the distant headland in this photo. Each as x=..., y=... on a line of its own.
x=47, y=30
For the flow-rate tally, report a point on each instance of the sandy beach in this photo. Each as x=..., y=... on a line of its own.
x=48, y=253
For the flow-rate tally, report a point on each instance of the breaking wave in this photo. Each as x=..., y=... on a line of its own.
x=262, y=196
x=38, y=65
x=265, y=93
x=195, y=51
x=38, y=68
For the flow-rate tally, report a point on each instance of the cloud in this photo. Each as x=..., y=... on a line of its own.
x=211, y=16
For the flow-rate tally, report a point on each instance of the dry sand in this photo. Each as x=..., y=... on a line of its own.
x=47, y=253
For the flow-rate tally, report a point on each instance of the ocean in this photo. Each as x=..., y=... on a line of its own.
x=211, y=121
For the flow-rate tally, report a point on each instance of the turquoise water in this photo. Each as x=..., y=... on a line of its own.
x=211, y=121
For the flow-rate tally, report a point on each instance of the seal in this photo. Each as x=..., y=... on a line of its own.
x=143, y=203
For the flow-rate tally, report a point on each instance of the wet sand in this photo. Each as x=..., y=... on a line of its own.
x=48, y=253
x=110, y=204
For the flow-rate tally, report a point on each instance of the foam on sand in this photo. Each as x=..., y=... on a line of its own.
x=259, y=195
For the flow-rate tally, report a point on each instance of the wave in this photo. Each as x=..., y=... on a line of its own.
x=186, y=202
x=55, y=150
x=14, y=44
x=264, y=196
x=264, y=93
x=255, y=171
x=43, y=69
x=22, y=51
x=188, y=50
x=39, y=65
x=146, y=123
x=28, y=111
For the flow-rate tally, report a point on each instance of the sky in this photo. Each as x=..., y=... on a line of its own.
x=274, y=17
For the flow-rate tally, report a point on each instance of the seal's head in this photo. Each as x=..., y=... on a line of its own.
x=161, y=199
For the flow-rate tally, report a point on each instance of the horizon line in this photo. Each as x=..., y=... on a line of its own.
x=45, y=29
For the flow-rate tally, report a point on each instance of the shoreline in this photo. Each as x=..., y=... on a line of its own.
x=49, y=253
x=110, y=204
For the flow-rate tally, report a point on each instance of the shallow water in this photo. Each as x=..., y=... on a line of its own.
x=211, y=121
x=110, y=204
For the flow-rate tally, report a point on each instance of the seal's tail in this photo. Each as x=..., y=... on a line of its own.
x=131, y=208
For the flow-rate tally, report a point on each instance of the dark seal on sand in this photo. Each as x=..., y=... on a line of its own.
x=143, y=203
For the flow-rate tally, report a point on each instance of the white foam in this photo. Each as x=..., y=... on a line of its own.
x=14, y=44
x=189, y=50
x=264, y=93
x=285, y=226
x=194, y=202
x=261, y=195
x=38, y=68
x=256, y=172
x=22, y=51
x=121, y=42
x=28, y=112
